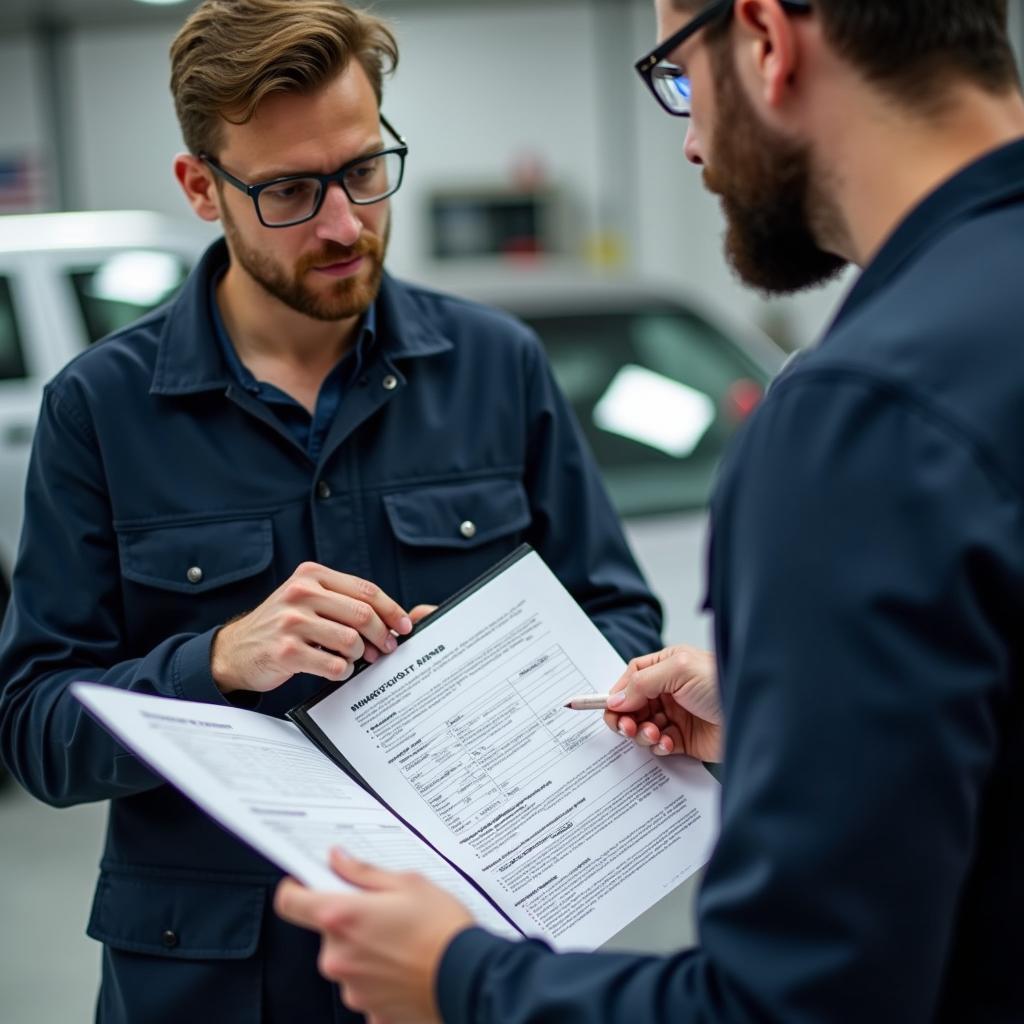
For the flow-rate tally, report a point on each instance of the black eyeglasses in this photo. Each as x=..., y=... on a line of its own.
x=669, y=85
x=283, y=202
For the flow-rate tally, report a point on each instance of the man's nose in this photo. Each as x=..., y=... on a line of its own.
x=337, y=220
x=692, y=147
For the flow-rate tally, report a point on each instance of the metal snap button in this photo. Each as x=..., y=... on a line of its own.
x=390, y=382
x=195, y=574
x=323, y=489
x=468, y=529
x=169, y=939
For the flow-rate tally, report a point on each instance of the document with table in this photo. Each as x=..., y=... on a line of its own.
x=556, y=826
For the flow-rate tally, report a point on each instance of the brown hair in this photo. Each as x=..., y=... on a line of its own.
x=231, y=54
x=914, y=49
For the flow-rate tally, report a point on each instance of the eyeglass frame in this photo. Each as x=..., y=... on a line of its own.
x=326, y=180
x=712, y=12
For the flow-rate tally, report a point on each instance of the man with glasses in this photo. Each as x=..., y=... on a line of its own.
x=866, y=566
x=251, y=488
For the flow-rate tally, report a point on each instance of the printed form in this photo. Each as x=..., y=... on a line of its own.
x=262, y=779
x=572, y=830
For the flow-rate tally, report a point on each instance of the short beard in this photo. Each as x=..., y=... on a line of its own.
x=345, y=298
x=768, y=196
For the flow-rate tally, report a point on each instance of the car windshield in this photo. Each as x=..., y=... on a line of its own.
x=658, y=393
x=125, y=286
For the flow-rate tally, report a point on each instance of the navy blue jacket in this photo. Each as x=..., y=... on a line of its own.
x=867, y=579
x=151, y=460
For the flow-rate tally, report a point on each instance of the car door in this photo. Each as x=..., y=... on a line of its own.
x=25, y=363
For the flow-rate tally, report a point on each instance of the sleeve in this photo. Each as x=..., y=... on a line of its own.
x=866, y=578
x=64, y=623
x=575, y=529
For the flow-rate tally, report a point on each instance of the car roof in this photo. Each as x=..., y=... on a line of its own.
x=105, y=229
x=554, y=287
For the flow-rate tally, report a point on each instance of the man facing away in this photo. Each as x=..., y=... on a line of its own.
x=866, y=567
x=246, y=491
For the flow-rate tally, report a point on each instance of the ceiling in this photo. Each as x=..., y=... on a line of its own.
x=18, y=15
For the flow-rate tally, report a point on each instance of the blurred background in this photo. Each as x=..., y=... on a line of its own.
x=541, y=177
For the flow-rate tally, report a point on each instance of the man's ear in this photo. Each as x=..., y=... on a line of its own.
x=196, y=181
x=768, y=40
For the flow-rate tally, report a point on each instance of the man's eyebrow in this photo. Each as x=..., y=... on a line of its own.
x=277, y=172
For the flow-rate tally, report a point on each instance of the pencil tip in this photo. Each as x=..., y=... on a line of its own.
x=569, y=705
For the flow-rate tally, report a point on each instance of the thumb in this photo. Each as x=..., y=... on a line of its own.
x=359, y=873
x=625, y=695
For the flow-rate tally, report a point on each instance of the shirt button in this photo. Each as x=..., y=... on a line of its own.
x=468, y=529
x=390, y=382
x=195, y=574
x=323, y=489
x=169, y=939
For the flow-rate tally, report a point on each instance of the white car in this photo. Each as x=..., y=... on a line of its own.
x=66, y=280
x=658, y=381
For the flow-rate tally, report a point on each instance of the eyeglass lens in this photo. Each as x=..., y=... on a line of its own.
x=673, y=88
x=296, y=199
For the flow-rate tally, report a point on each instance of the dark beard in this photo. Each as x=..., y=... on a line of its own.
x=765, y=186
x=348, y=297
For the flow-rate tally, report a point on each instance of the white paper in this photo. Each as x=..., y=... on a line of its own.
x=265, y=781
x=571, y=829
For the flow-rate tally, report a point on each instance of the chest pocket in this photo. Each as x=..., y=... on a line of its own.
x=186, y=578
x=448, y=534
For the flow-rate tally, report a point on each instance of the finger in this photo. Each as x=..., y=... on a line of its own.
x=361, y=874
x=627, y=727
x=317, y=661
x=368, y=593
x=647, y=735
x=421, y=611
x=671, y=741
x=295, y=903
x=358, y=616
x=331, y=636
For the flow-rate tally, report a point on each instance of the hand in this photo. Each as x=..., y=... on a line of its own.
x=669, y=701
x=420, y=612
x=318, y=621
x=382, y=943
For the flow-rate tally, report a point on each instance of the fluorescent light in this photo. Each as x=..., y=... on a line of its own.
x=655, y=410
x=160, y=3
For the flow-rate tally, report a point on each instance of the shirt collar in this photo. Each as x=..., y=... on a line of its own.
x=993, y=180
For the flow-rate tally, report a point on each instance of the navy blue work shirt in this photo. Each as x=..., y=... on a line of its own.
x=867, y=580
x=164, y=498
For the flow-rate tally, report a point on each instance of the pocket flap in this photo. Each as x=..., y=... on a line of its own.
x=180, y=919
x=196, y=557
x=461, y=515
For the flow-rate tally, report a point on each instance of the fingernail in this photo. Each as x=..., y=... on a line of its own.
x=405, y=624
x=615, y=699
x=622, y=730
x=661, y=749
x=391, y=644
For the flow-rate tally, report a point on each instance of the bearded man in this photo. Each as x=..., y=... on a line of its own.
x=866, y=570
x=240, y=495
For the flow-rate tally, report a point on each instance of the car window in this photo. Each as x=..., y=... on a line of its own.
x=658, y=393
x=124, y=286
x=12, y=356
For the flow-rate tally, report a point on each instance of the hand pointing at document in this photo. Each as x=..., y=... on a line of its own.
x=669, y=701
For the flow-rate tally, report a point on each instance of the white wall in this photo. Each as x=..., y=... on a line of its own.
x=24, y=131
x=480, y=89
